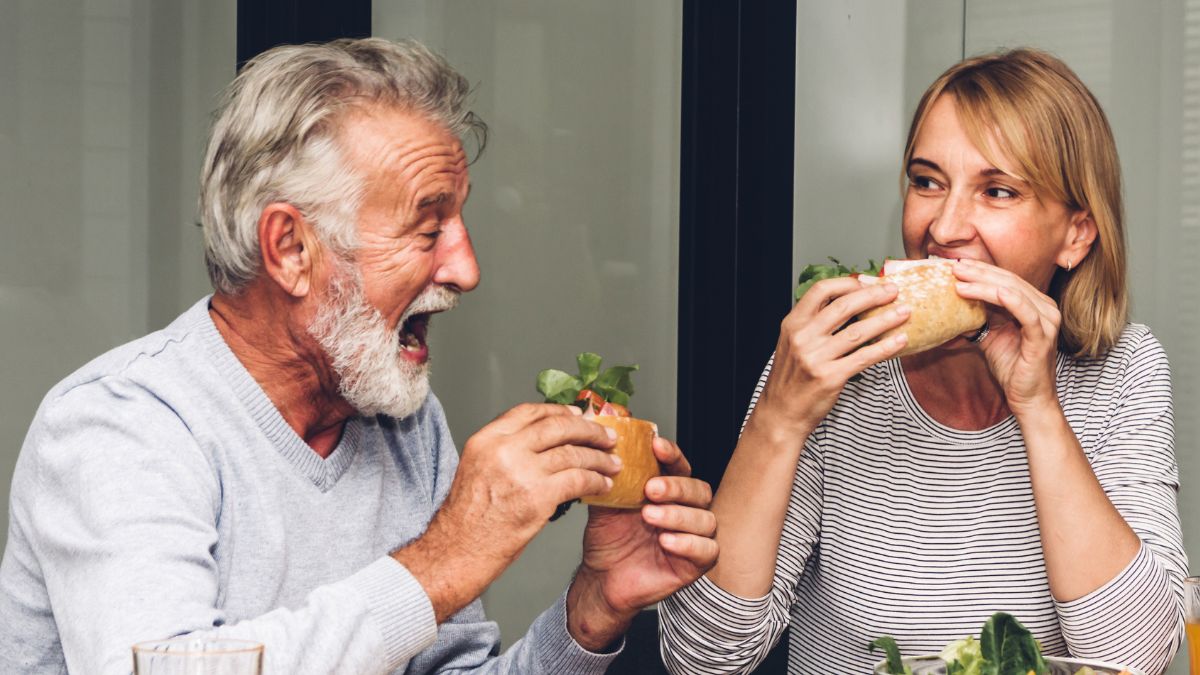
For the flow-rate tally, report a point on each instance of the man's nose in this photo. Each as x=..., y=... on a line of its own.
x=457, y=266
x=953, y=222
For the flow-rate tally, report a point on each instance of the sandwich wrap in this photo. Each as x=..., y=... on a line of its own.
x=939, y=313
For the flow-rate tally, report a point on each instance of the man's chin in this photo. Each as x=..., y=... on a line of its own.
x=397, y=399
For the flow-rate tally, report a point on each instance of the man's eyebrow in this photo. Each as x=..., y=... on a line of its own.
x=433, y=200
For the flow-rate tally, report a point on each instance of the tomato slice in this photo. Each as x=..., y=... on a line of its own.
x=595, y=401
x=614, y=409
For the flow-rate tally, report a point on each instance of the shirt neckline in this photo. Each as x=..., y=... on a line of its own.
x=323, y=473
x=964, y=437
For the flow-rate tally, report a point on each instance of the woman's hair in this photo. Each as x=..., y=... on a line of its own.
x=1031, y=107
x=275, y=139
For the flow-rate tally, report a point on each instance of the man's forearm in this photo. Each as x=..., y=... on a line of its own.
x=452, y=574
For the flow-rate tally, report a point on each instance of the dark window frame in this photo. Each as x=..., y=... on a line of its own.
x=735, y=250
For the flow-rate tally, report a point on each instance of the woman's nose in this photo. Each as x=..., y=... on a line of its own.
x=953, y=222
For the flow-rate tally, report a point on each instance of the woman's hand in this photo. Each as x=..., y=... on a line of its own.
x=818, y=351
x=1022, y=341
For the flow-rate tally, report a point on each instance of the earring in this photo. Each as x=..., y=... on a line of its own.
x=1069, y=263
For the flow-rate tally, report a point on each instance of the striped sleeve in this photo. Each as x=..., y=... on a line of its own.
x=1137, y=618
x=707, y=630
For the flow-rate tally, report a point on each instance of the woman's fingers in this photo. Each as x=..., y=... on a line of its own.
x=844, y=307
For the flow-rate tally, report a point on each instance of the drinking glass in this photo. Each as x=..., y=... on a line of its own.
x=1191, y=615
x=197, y=656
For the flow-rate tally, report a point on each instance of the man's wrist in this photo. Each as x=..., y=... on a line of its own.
x=591, y=620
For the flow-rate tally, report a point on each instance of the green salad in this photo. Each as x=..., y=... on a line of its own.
x=1004, y=647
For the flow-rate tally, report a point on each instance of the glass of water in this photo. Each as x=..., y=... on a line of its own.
x=197, y=656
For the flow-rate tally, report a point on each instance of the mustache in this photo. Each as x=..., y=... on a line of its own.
x=436, y=298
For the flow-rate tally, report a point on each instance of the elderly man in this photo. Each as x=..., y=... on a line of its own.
x=272, y=466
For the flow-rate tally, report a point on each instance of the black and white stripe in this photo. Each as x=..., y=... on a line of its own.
x=899, y=525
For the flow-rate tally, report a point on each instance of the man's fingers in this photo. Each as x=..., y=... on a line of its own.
x=679, y=490
x=553, y=431
x=671, y=457
x=525, y=414
x=677, y=518
x=567, y=457
x=700, y=551
x=575, y=483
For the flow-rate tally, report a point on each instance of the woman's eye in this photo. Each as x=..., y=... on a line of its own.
x=922, y=182
x=1000, y=193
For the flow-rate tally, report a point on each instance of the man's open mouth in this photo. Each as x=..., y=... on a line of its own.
x=413, y=332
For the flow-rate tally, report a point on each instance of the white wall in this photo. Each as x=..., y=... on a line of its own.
x=102, y=122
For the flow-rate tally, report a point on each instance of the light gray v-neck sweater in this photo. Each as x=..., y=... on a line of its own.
x=159, y=492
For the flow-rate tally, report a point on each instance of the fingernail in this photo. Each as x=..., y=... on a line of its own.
x=899, y=339
x=616, y=459
x=608, y=482
x=575, y=410
x=891, y=288
x=901, y=311
x=652, y=512
x=667, y=538
x=612, y=433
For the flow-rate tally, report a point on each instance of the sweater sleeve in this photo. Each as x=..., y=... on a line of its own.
x=1137, y=617
x=121, y=515
x=470, y=643
x=705, y=629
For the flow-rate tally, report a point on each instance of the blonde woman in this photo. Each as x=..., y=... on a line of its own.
x=1028, y=469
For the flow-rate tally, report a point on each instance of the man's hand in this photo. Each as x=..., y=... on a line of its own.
x=512, y=475
x=632, y=559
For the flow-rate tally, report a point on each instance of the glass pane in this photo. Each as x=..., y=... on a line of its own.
x=573, y=213
x=1142, y=60
x=860, y=68
x=101, y=139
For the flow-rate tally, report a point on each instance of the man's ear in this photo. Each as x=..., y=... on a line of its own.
x=1080, y=236
x=289, y=247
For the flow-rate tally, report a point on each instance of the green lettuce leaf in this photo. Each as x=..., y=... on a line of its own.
x=558, y=387
x=1008, y=648
x=895, y=665
x=963, y=657
x=613, y=384
x=811, y=274
x=589, y=367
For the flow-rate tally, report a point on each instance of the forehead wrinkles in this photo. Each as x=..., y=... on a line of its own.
x=423, y=166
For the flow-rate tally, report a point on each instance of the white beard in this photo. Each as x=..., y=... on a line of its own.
x=374, y=378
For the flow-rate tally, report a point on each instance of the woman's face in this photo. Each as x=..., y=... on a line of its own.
x=958, y=205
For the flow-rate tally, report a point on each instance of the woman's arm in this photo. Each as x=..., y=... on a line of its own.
x=816, y=355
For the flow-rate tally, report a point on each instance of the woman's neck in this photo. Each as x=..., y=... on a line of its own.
x=955, y=388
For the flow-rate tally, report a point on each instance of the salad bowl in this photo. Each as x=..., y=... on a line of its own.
x=934, y=665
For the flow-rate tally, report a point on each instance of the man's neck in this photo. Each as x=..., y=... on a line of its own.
x=275, y=348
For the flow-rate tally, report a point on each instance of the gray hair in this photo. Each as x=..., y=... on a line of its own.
x=275, y=140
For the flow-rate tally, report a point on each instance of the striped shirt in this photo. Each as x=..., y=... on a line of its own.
x=899, y=525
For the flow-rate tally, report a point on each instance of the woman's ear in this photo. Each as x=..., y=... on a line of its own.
x=288, y=246
x=1078, y=242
